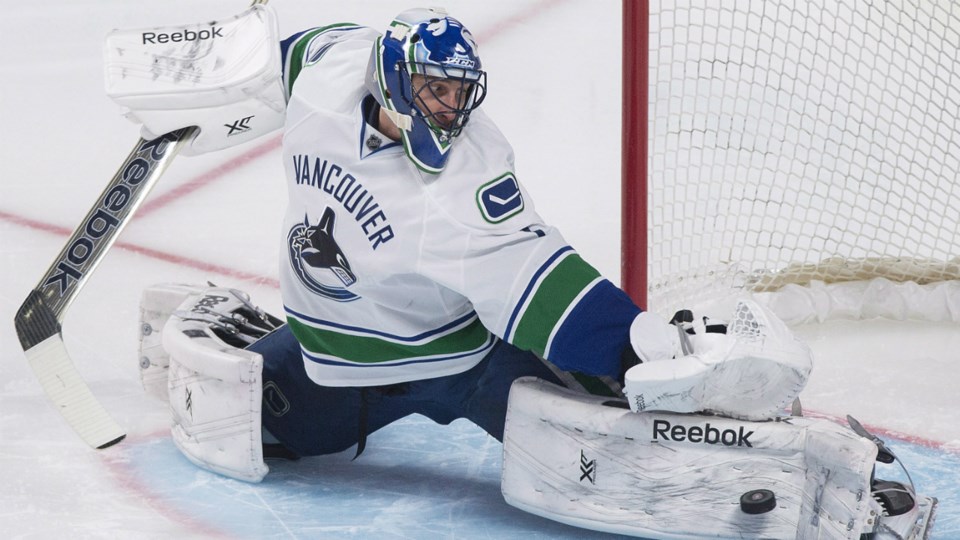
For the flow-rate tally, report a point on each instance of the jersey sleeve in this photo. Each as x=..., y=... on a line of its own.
x=308, y=47
x=535, y=291
x=526, y=283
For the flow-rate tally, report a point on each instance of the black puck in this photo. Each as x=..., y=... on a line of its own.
x=758, y=501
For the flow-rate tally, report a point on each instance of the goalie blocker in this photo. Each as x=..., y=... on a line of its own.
x=223, y=76
x=591, y=462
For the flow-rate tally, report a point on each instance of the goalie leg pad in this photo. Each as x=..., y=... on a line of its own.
x=584, y=461
x=157, y=303
x=752, y=372
x=215, y=388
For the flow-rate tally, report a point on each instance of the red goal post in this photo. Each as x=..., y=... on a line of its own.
x=788, y=141
x=633, y=208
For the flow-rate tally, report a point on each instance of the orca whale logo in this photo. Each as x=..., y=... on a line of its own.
x=317, y=259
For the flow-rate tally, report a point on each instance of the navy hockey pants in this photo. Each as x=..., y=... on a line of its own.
x=309, y=419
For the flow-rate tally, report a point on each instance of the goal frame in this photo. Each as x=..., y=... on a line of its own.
x=633, y=205
x=865, y=170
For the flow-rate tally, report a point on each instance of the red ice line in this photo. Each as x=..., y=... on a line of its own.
x=885, y=433
x=166, y=199
x=210, y=176
x=121, y=467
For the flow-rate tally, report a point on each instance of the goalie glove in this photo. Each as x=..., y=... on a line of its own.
x=229, y=313
x=685, y=320
x=215, y=385
x=752, y=372
x=653, y=338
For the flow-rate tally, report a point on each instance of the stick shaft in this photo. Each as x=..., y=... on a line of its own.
x=39, y=319
x=106, y=219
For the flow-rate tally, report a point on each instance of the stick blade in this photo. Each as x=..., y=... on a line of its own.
x=38, y=319
x=71, y=395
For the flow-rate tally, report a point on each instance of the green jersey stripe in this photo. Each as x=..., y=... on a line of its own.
x=373, y=350
x=551, y=300
x=295, y=61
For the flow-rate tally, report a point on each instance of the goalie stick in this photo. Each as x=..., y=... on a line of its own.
x=38, y=321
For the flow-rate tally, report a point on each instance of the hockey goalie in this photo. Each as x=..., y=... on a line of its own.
x=417, y=278
x=700, y=447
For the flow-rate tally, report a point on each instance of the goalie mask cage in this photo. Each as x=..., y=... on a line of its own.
x=788, y=141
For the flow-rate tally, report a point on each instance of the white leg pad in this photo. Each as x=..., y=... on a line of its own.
x=579, y=460
x=215, y=397
x=157, y=303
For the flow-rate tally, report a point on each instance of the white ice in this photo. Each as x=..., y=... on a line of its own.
x=555, y=92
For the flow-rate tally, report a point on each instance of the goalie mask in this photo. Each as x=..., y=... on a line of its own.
x=426, y=74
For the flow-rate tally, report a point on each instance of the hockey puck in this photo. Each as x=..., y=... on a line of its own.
x=758, y=501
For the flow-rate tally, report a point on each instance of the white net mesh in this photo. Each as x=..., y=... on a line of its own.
x=744, y=324
x=801, y=140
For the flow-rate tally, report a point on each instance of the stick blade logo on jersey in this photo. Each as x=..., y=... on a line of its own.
x=317, y=259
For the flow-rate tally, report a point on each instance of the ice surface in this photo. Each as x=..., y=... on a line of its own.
x=554, y=90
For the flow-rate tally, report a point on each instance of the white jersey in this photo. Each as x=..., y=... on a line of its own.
x=391, y=274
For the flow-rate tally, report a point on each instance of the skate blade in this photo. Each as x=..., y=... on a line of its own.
x=913, y=525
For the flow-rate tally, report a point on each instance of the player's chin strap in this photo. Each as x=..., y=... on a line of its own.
x=402, y=121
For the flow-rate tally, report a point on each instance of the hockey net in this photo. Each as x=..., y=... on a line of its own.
x=799, y=142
